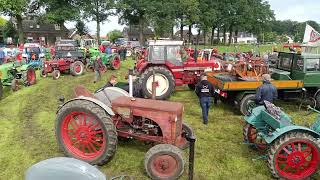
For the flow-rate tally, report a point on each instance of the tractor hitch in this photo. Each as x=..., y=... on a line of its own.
x=192, y=140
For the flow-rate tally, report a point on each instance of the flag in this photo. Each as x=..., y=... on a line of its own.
x=311, y=36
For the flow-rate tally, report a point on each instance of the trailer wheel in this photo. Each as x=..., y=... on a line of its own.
x=77, y=68
x=294, y=156
x=247, y=103
x=56, y=74
x=164, y=162
x=85, y=131
x=1, y=90
x=250, y=135
x=165, y=82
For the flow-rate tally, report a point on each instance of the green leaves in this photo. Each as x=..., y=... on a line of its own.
x=114, y=35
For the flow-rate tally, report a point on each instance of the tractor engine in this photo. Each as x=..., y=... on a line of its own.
x=145, y=126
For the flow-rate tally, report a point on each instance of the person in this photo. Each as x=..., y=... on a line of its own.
x=2, y=56
x=97, y=65
x=266, y=92
x=113, y=81
x=204, y=90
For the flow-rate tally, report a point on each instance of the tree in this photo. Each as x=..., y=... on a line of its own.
x=18, y=9
x=98, y=11
x=9, y=31
x=3, y=22
x=114, y=35
x=82, y=29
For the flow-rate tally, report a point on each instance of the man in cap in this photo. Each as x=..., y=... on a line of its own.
x=204, y=90
x=266, y=92
x=97, y=65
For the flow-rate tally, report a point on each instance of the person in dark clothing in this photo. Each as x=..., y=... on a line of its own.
x=97, y=65
x=113, y=81
x=204, y=90
x=266, y=92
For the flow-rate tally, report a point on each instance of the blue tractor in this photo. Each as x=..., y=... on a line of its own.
x=33, y=55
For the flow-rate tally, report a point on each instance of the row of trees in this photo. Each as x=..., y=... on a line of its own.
x=207, y=16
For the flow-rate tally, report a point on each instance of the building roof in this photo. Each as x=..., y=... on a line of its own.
x=37, y=27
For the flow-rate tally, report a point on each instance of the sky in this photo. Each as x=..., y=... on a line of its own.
x=296, y=10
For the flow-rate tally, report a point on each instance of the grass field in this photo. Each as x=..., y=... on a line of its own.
x=27, y=133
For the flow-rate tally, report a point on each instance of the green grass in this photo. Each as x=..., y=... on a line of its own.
x=27, y=133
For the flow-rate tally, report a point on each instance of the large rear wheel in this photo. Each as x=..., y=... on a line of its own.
x=85, y=131
x=247, y=103
x=294, y=156
x=165, y=83
x=115, y=62
x=164, y=162
x=77, y=68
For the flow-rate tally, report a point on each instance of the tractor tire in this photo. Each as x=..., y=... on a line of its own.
x=129, y=53
x=291, y=152
x=250, y=136
x=89, y=67
x=192, y=86
x=103, y=69
x=165, y=87
x=94, y=140
x=115, y=62
x=77, y=68
x=43, y=73
x=247, y=103
x=31, y=77
x=317, y=98
x=15, y=85
x=56, y=74
x=186, y=131
x=1, y=90
x=164, y=162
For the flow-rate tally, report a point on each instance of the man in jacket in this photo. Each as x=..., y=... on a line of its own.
x=97, y=65
x=204, y=90
x=266, y=92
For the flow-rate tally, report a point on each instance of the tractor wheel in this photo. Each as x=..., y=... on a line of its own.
x=89, y=67
x=294, y=156
x=56, y=74
x=77, y=68
x=85, y=131
x=103, y=69
x=115, y=63
x=247, y=103
x=250, y=136
x=1, y=90
x=192, y=86
x=129, y=53
x=164, y=161
x=186, y=131
x=164, y=79
x=30, y=77
x=43, y=73
x=317, y=98
x=14, y=85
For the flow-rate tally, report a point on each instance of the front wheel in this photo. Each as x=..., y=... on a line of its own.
x=247, y=103
x=77, y=68
x=294, y=156
x=85, y=131
x=115, y=63
x=164, y=162
x=56, y=74
x=251, y=136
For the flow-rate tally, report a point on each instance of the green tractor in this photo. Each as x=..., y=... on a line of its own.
x=13, y=75
x=292, y=151
x=109, y=60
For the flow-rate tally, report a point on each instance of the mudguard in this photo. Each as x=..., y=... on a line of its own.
x=279, y=132
x=96, y=101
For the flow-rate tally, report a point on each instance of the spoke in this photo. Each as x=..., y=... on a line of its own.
x=98, y=138
x=299, y=147
x=307, y=149
x=83, y=148
x=298, y=170
x=91, y=146
x=98, y=132
x=285, y=168
x=292, y=147
x=95, y=142
x=74, y=123
x=286, y=150
x=84, y=119
x=307, y=155
x=282, y=156
x=73, y=144
x=93, y=128
x=90, y=122
x=281, y=161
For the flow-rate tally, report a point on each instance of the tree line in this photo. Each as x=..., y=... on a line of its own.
x=209, y=17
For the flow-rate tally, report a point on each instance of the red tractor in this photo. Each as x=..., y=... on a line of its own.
x=64, y=65
x=88, y=128
x=173, y=66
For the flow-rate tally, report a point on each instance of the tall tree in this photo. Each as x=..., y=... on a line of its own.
x=98, y=11
x=81, y=27
x=114, y=35
x=18, y=9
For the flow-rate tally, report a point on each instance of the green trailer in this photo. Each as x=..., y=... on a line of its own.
x=13, y=74
x=295, y=75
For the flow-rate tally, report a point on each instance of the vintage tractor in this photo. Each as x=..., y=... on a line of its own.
x=109, y=60
x=33, y=55
x=293, y=151
x=69, y=51
x=13, y=75
x=64, y=65
x=88, y=128
x=173, y=67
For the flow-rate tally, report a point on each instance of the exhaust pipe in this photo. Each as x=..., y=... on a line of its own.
x=131, y=83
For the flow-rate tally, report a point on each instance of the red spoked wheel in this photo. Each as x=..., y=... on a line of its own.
x=164, y=161
x=294, y=156
x=77, y=68
x=250, y=135
x=115, y=63
x=86, y=132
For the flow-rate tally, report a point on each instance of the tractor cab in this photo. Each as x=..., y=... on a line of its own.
x=67, y=51
x=296, y=66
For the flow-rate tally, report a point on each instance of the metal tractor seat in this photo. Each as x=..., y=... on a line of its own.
x=105, y=95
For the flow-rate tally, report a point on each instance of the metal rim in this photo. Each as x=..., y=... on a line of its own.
x=297, y=159
x=83, y=135
x=116, y=63
x=162, y=84
x=77, y=68
x=252, y=136
x=164, y=165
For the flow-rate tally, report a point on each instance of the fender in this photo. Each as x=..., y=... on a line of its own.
x=279, y=132
x=97, y=102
